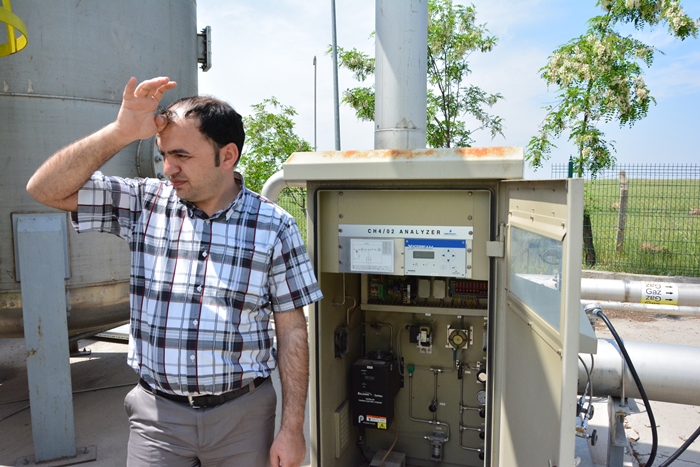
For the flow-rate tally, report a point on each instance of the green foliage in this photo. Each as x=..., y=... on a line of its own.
x=641, y=13
x=599, y=79
x=453, y=36
x=662, y=235
x=270, y=140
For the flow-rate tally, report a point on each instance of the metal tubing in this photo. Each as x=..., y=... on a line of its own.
x=658, y=309
x=669, y=373
x=637, y=292
x=275, y=184
x=401, y=50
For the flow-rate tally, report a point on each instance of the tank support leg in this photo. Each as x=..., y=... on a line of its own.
x=41, y=248
x=617, y=439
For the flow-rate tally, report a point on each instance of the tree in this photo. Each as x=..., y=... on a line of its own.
x=453, y=36
x=599, y=79
x=270, y=139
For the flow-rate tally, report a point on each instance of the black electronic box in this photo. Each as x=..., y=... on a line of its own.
x=375, y=382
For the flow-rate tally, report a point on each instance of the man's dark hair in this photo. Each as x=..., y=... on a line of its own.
x=218, y=121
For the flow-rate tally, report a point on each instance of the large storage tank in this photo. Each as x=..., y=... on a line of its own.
x=65, y=84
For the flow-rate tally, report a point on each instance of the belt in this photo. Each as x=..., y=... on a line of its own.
x=206, y=400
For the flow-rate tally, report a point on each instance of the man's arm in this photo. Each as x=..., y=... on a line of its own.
x=289, y=447
x=57, y=181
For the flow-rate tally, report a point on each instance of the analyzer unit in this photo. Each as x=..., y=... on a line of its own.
x=450, y=321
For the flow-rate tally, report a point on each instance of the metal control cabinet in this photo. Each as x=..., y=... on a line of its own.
x=444, y=266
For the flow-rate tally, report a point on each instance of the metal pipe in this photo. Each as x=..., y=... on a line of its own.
x=646, y=292
x=336, y=97
x=669, y=373
x=401, y=50
x=275, y=184
x=657, y=309
x=315, y=145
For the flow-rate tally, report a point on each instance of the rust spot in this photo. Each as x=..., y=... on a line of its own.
x=354, y=154
x=494, y=151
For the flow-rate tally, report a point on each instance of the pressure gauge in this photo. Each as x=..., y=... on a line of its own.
x=481, y=397
x=481, y=376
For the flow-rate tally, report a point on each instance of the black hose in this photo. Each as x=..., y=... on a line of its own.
x=681, y=449
x=654, y=435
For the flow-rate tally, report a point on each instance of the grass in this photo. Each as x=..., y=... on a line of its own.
x=661, y=236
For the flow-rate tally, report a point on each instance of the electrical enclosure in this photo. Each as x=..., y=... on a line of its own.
x=449, y=324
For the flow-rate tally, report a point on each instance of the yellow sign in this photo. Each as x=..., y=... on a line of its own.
x=659, y=293
x=14, y=25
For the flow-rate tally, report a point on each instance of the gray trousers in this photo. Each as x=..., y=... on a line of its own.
x=165, y=433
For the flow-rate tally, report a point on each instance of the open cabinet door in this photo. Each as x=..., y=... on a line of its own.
x=536, y=323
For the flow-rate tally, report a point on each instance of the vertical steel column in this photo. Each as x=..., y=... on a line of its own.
x=401, y=85
x=617, y=439
x=41, y=244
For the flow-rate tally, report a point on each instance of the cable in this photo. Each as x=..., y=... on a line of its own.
x=13, y=413
x=681, y=449
x=585, y=389
x=654, y=435
x=396, y=438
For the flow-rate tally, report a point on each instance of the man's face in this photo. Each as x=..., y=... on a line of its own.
x=189, y=164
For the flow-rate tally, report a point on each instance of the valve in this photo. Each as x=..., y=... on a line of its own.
x=437, y=440
x=582, y=432
x=582, y=429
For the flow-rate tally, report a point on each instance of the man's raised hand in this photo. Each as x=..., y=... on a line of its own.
x=137, y=117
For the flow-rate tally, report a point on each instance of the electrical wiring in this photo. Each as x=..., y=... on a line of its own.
x=652, y=421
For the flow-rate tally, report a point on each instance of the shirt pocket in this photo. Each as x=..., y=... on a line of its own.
x=240, y=275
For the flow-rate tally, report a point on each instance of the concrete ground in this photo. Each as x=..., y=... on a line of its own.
x=100, y=383
x=102, y=379
x=675, y=423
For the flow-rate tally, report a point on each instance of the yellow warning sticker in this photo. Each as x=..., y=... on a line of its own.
x=659, y=293
x=379, y=420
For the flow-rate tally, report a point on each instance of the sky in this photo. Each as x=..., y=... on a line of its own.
x=266, y=48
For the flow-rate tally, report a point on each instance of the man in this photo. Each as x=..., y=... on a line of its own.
x=211, y=263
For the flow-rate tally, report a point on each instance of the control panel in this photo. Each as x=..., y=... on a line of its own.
x=433, y=257
x=426, y=250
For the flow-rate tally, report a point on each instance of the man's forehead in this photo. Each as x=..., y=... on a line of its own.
x=176, y=120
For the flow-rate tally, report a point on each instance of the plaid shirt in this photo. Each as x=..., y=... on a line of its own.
x=202, y=288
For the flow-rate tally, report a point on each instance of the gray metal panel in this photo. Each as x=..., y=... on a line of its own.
x=536, y=363
x=90, y=49
x=65, y=84
x=41, y=239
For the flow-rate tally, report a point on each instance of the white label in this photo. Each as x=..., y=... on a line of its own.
x=371, y=255
x=406, y=231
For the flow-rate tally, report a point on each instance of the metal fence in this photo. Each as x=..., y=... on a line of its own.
x=293, y=200
x=645, y=218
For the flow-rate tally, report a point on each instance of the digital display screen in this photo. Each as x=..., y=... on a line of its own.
x=422, y=254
